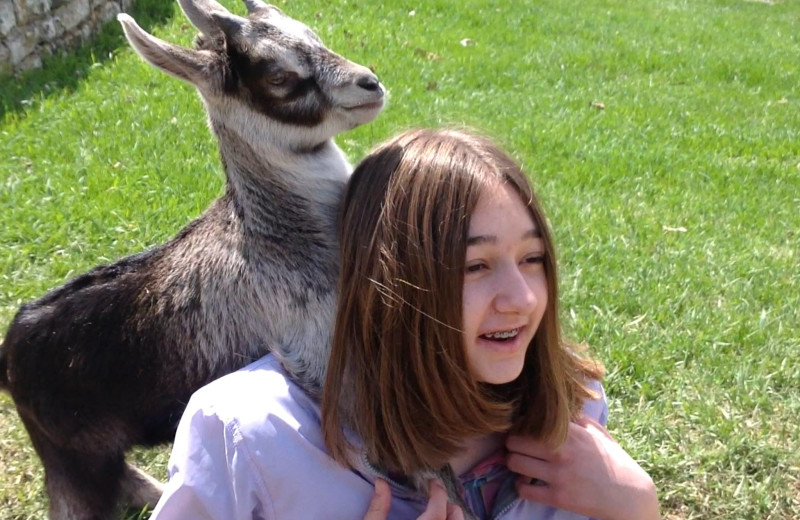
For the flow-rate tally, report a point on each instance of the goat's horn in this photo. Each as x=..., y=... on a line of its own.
x=255, y=5
x=230, y=24
x=199, y=13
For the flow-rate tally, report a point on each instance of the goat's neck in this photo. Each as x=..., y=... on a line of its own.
x=262, y=167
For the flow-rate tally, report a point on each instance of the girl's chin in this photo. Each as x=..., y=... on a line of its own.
x=498, y=372
x=499, y=376
x=499, y=362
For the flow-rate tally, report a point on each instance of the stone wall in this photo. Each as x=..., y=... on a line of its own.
x=33, y=29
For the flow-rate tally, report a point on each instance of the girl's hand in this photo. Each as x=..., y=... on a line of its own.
x=438, y=507
x=590, y=474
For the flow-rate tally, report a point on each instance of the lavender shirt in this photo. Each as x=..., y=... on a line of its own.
x=249, y=447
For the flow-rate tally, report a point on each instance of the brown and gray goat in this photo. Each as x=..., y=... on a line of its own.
x=109, y=359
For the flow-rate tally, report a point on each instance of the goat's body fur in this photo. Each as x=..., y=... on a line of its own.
x=150, y=329
x=110, y=359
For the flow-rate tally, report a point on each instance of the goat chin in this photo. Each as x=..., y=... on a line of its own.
x=107, y=360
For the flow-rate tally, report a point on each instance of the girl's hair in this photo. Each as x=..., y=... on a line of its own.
x=398, y=375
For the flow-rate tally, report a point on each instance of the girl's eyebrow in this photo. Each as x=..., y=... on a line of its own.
x=492, y=239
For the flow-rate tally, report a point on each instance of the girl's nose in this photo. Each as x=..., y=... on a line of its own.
x=515, y=293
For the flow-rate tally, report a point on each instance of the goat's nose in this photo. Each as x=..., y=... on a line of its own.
x=368, y=83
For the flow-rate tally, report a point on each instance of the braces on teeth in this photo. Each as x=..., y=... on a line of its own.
x=503, y=335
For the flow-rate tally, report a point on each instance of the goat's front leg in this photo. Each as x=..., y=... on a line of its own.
x=139, y=490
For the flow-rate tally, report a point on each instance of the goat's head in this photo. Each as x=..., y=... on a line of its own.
x=269, y=63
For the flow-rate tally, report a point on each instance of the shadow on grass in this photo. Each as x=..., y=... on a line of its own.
x=18, y=94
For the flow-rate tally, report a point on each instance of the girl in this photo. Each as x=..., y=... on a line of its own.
x=446, y=360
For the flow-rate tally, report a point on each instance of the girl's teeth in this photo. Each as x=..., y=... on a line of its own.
x=503, y=335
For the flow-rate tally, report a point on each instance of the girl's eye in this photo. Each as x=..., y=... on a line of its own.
x=474, y=268
x=535, y=259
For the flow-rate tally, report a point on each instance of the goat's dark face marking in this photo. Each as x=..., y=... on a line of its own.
x=278, y=81
x=280, y=68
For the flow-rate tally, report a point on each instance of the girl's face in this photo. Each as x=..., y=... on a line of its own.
x=505, y=289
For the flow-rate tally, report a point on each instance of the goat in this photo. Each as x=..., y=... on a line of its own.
x=109, y=359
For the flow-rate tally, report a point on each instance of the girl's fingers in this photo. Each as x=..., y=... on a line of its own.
x=454, y=512
x=438, y=508
x=437, y=503
x=380, y=503
x=530, y=467
x=538, y=492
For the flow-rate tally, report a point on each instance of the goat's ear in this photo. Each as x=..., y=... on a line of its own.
x=199, y=13
x=188, y=65
x=230, y=24
x=253, y=6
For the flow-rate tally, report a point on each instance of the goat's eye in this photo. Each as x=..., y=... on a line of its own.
x=277, y=78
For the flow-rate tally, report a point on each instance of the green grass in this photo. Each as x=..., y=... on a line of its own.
x=675, y=207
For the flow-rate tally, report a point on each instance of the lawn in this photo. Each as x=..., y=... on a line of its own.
x=663, y=138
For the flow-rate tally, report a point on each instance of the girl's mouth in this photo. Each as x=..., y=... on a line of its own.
x=504, y=335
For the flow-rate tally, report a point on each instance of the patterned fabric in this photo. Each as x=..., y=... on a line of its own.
x=488, y=489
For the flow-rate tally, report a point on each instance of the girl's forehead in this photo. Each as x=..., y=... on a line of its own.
x=498, y=194
x=499, y=208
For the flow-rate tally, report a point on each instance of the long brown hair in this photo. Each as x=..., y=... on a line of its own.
x=398, y=375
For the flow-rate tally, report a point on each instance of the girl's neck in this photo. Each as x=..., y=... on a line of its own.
x=476, y=450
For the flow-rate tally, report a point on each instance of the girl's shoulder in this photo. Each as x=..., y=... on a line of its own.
x=254, y=400
x=596, y=409
x=257, y=433
x=264, y=372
